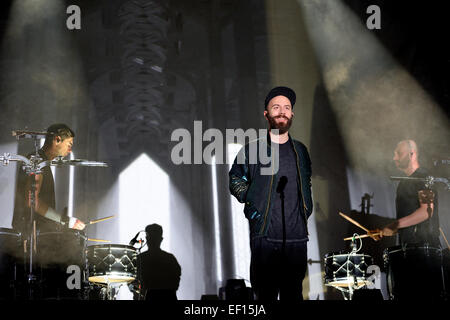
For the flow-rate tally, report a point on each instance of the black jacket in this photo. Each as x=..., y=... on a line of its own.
x=257, y=190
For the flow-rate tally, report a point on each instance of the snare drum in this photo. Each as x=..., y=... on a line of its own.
x=111, y=263
x=61, y=264
x=342, y=268
x=11, y=262
x=414, y=272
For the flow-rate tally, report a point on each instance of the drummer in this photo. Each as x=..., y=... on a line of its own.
x=58, y=142
x=417, y=214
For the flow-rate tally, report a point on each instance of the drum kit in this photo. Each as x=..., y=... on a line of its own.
x=413, y=271
x=60, y=265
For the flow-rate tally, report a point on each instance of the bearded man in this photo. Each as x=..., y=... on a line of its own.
x=277, y=205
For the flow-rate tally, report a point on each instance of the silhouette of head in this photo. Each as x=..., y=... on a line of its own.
x=154, y=235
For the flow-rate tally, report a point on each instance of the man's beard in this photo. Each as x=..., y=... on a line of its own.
x=403, y=163
x=282, y=128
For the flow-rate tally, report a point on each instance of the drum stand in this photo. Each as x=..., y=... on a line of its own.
x=112, y=289
x=353, y=281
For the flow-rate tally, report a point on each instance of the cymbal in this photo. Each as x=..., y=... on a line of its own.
x=78, y=162
x=28, y=134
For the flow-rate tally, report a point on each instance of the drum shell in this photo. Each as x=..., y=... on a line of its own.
x=111, y=263
x=56, y=252
x=414, y=272
x=11, y=262
x=336, y=266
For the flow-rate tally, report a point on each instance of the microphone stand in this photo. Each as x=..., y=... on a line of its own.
x=280, y=189
x=283, y=246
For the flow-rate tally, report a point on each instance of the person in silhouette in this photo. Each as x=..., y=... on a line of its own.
x=277, y=205
x=158, y=271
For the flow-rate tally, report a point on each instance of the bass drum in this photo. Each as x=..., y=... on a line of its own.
x=414, y=272
x=11, y=263
x=61, y=265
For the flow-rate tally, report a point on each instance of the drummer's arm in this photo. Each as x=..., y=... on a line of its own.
x=418, y=216
x=43, y=209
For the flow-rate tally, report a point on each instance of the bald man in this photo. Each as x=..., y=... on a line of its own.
x=416, y=223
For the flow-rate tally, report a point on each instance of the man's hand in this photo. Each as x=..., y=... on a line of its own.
x=76, y=224
x=375, y=234
x=389, y=230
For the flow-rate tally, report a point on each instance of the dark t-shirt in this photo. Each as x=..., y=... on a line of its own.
x=21, y=218
x=158, y=271
x=295, y=226
x=407, y=201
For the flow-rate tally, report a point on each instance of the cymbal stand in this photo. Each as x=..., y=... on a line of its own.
x=32, y=167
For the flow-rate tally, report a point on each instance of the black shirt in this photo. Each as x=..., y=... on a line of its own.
x=407, y=201
x=295, y=226
x=159, y=273
x=21, y=218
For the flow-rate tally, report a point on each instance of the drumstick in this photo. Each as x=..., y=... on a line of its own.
x=100, y=220
x=445, y=239
x=354, y=222
x=363, y=236
x=98, y=240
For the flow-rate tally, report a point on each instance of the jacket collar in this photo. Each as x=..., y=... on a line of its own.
x=269, y=141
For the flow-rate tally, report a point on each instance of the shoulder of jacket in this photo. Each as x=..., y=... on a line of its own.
x=299, y=143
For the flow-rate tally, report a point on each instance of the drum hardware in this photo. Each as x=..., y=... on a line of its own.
x=429, y=180
x=347, y=272
x=105, y=291
x=365, y=203
x=136, y=286
x=32, y=167
x=59, y=161
x=311, y=261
